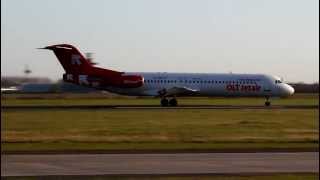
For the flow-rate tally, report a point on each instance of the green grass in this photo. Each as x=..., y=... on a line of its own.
x=158, y=129
x=307, y=176
x=82, y=99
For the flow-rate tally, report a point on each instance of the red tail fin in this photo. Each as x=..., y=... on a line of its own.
x=71, y=59
x=80, y=71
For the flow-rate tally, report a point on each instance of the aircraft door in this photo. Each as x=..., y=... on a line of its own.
x=267, y=90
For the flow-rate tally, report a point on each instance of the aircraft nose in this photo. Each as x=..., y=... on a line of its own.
x=287, y=90
x=291, y=90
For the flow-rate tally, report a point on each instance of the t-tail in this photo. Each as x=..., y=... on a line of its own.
x=79, y=70
x=72, y=61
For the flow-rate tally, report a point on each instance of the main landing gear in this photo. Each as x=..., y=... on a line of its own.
x=267, y=103
x=171, y=102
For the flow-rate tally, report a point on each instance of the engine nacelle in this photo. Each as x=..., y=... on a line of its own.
x=84, y=80
x=122, y=81
x=72, y=78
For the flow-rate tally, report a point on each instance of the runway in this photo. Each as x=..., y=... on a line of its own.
x=160, y=164
x=144, y=107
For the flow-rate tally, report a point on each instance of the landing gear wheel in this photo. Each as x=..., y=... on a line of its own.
x=173, y=102
x=267, y=103
x=164, y=102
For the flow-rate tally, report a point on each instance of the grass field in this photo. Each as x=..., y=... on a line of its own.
x=160, y=129
x=253, y=177
x=96, y=99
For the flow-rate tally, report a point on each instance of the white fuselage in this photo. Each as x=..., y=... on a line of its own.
x=258, y=85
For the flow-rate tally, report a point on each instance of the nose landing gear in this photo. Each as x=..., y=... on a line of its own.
x=267, y=103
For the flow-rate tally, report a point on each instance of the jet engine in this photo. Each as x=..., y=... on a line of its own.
x=121, y=81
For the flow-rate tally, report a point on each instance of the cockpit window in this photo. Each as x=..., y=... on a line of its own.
x=278, y=81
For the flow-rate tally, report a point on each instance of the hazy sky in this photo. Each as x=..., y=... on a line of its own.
x=279, y=37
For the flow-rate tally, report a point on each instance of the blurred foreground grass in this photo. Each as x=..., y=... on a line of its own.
x=306, y=176
x=158, y=129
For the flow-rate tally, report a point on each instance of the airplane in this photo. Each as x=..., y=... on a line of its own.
x=166, y=86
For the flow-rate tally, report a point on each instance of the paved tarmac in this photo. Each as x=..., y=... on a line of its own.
x=147, y=164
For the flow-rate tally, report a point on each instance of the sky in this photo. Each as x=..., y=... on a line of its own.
x=277, y=37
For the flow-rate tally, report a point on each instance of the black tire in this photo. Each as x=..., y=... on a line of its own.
x=267, y=103
x=173, y=102
x=164, y=102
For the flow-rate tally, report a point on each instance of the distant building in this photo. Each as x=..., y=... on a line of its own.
x=8, y=81
x=37, y=88
x=54, y=88
x=305, y=88
x=41, y=85
x=69, y=87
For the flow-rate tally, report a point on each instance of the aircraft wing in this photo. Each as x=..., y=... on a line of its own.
x=179, y=91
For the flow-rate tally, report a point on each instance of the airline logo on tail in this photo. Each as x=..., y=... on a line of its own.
x=75, y=59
